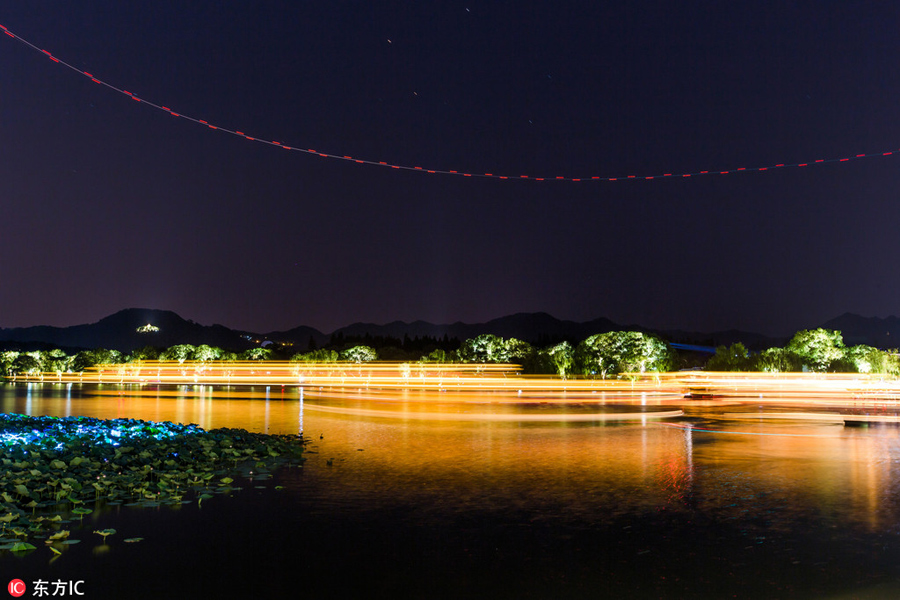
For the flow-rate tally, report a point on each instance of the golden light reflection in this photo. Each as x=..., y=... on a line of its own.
x=733, y=457
x=502, y=382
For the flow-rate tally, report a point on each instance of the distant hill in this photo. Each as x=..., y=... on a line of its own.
x=120, y=331
x=535, y=328
x=873, y=331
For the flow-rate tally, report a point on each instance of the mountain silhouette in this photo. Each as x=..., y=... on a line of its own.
x=120, y=331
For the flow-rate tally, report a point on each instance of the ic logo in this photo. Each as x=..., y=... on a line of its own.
x=16, y=588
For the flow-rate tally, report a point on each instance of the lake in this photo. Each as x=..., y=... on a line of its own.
x=414, y=495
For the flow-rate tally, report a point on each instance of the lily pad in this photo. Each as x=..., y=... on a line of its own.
x=105, y=533
x=22, y=547
x=58, y=464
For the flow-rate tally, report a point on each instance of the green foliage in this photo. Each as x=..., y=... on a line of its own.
x=554, y=360
x=56, y=464
x=777, y=360
x=733, y=358
x=55, y=361
x=7, y=358
x=204, y=353
x=180, y=352
x=616, y=352
x=145, y=353
x=90, y=358
x=26, y=363
x=488, y=348
x=317, y=356
x=818, y=349
x=865, y=359
x=438, y=355
x=359, y=354
x=256, y=354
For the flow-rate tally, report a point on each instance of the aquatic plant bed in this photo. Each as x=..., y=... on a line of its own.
x=51, y=468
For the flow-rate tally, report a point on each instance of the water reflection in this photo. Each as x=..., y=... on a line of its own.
x=586, y=461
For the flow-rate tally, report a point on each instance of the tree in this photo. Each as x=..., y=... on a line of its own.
x=359, y=354
x=554, y=360
x=55, y=361
x=90, y=358
x=204, y=353
x=316, y=356
x=733, y=358
x=489, y=348
x=777, y=360
x=145, y=353
x=7, y=358
x=818, y=349
x=608, y=354
x=27, y=364
x=438, y=355
x=256, y=354
x=180, y=352
x=865, y=359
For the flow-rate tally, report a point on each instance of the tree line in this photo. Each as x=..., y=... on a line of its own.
x=604, y=355
x=815, y=350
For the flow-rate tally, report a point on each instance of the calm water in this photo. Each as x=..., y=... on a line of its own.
x=415, y=497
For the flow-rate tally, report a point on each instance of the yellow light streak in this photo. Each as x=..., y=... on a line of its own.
x=495, y=382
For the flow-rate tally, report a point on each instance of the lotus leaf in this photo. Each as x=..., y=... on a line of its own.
x=22, y=547
x=150, y=462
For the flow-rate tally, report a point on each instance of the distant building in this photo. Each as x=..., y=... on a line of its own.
x=148, y=328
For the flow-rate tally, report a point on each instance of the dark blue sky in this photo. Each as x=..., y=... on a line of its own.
x=109, y=204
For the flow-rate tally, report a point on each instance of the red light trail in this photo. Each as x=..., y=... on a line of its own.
x=432, y=171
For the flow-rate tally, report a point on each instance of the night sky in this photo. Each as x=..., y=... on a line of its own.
x=108, y=203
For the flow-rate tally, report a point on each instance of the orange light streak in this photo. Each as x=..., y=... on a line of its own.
x=503, y=382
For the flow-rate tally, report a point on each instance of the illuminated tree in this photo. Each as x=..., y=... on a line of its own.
x=438, y=355
x=864, y=359
x=26, y=364
x=55, y=361
x=204, y=353
x=145, y=353
x=181, y=353
x=818, y=349
x=359, y=354
x=488, y=348
x=517, y=351
x=891, y=362
x=256, y=354
x=616, y=352
x=7, y=358
x=90, y=358
x=733, y=358
x=316, y=356
x=777, y=360
x=555, y=360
